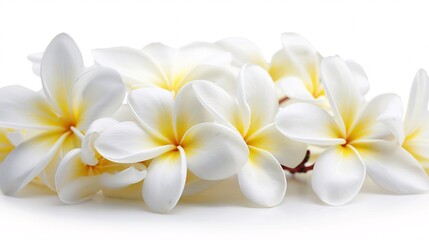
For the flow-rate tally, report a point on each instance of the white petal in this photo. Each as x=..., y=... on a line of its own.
x=262, y=179
x=137, y=68
x=61, y=65
x=48, y=173
x=338, y=175
x=6, y=145
x=163, y=55
x=213, y=151
x=393, y=168
x=243, y=51
x=256, y=90
x=89, y=154
x=342, y=90
x=308, y=123
x=360, y=76
x=98, y=93
x=72, y=180
x=36, y=60
x=298, y=59
x=27, y=160
x=124, y=113
x=221, y=76
x=200, y=53
x=288, y=152
x=220, y=104
x=124, y=178
x=153, y=108
x=380, y=119
x=126, y=142
x=165, y=181
x=23, y=108
x=188, y=111
x=293, y=88
x=419, y=149
x=417, y=103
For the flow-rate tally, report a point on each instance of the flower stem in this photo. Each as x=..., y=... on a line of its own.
x=283, y=99
x=301, y=168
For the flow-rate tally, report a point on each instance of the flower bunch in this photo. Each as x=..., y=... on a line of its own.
x=162, y=122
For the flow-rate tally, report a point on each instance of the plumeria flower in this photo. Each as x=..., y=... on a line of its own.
x=157, y=65
x=360, y=138
x=416, y=124
x=251, y=114
x=71, y=99
x=83, y=172
x=172, y=136
x=295, y=69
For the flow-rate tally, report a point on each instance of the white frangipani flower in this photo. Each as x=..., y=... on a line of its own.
x=83, y=172
x=294, y=68
x=157, y=65
x=72, y=98
x=175, y=136
x=416, y=124
x=251, y=113
x=361, y=138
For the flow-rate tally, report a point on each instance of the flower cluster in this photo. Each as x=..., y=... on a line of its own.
x=162, y=122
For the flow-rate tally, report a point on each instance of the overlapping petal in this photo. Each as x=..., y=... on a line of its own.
x=165, y=181
x=338, y=175
x=393, y=168
x=127, y=142
x=310, y=124
x=213, y=151
x=97, y=93
x=262, y=179
x=61, y=66
x=28, y=160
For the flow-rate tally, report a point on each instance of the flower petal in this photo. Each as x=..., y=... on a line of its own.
x=380, y=119
x=342, y=90
x=243, y=51
x=309, y=124
x=73, y=181
x=137, y=68
x=61, y=65
x=36, y=60
x=293, y=88
x=201, y=53
x=419, y=149
x=256, y=91
x=393, y=168
x=262, y=179
x=97, y=93
x=89, y=154
x=220, y=104
x=165, y=181
x=213, y=151
x=23, y=108
x=221, y=76
x=6, y=145
x=153, y=108
x=188, y=111
x=27, y=160
x=338, y=175
x=297, y=58
x=124, y=178
x=126, y=142
x=288, y=152
x=417, y=103
x=360, y=76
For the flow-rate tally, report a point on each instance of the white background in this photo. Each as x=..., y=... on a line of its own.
x=389, y=38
